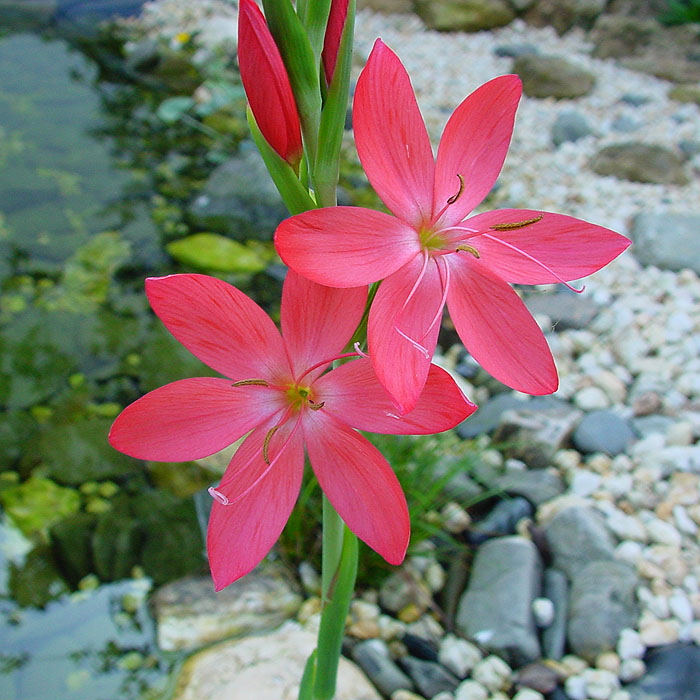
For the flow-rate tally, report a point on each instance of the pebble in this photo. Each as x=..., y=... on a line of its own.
x=631, y=669
x=471, y=690
x=654, y=632
x=662, y=532
x=458, y=655
x=528, y=694
x=493, y=673
x=543, y=611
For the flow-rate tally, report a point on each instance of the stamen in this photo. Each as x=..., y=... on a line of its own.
x=218, y=496
x=250, y=382
x=327, y=362
x=516, y=224
x=359, y=351
x=469, y=249
x=451, y=200
x=266, y=442
x=559, y=278
x=316, y=406
x=445, y=285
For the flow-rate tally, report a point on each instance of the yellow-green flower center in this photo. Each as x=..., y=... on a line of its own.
x=430, y=239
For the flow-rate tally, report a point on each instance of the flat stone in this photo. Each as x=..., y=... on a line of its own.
x=464, y=15
x=570, y=126
x=496, y=609
x=602, y=431
x=488, y=417
x=500, y=520
x=430, y=678
x=264, y=667
x=537, y=485
x=556, y=588
x=372, y=655
x=601, y=604
x=673, y=673
x=565, y=308
x=578, y=536
x=552, y=76
x=190, y=614
x=640, y=162
x=667, y=240
x=563, y=15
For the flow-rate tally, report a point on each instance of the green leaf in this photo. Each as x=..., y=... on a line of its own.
x=173, y=108
x=315, y=22
x=211, y=251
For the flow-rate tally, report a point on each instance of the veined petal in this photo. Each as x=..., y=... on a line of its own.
x=261, y=497
x=359, y=483
x=474, y=146
x=407, y=305
x=391, y=137
x=551, y=248
x=219, y=324
x=352, y=393
x=190, y=419
x=266, y=83
x=498, y=330
x=318, y=321
x=345, y=246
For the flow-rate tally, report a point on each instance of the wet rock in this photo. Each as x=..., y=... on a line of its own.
x=536, y=429
x=601, y=604
x=552, y=76
x=537, y=485
x=570, y=126
x=640, y=162
x=566, y=309
x=430, y=678
x=555, y=588
x=372, y=655
x=673, y=673
x=576, y=537
x=501, y=520
x=667, y=240
x=496, y=609
x=602, y=431
x=190, y=615
x=264, y=667
x=565, y=14
x=464, y=15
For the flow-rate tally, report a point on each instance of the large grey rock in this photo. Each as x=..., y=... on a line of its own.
x=190, y=614
x=673, y=673
x=488, y=417
x=464, y=15
x=578, y=536
x=603, y=431
x=536, y=429
x=264, y=667
x=640, y=162
x=565, y=14
x=667, y=240
x=537, y=485
x=430, y=678
x=496, y=608
x=552, y=76
x=566, y=309
x=570, y=126
x=601, y=604
x=372, y=655
x=556, y=588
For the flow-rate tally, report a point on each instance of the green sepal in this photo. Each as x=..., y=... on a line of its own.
x=302, y=68
x=306, y=687
x=333, y=117
x=315, y=20
x=295, y=196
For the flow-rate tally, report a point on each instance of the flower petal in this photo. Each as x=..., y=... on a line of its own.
x=352, y=393
x=318, y=321
x=261, y=497
x=345, y=246
x=474, y=146
x=359, y=483
x=566, y=248
x=401, y=307
x=191, y=419
x=391, y=137
x=498, y=330
x=266, y=83
x=334, y=32
x=219, y=324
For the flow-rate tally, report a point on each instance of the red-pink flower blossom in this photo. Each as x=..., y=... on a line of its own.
x=428, y=254
x=266, y=83
x=334, y=33
x=277, y=390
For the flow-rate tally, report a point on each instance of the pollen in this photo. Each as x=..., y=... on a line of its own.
x=516, y=224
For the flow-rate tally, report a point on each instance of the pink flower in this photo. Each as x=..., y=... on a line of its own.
x=428, y=254
x=266, y=84
x=334, y=32
x=277, y=392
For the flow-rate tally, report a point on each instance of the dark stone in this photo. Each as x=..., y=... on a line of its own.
x=563, y=15
x=539, y=677
x=36, y=581
x=430, y=678
x=515, y=50
x=537, y=485
x=488, y=416
x=372, y=656
x=556, y=588
x=570, y=126
x=603, y=431
x=689, y=148
x=501, y=520
x=552, y=76
x=576, y=537
x=464, y=15
x=640, y=162
x=635, y=100
x=496, y=608
x=565, y=308
x=421, y=648
x=667, y=240
x=601, y=604
x=673, y=673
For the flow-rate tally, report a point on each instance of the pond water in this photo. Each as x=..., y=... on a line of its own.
x=107, y=176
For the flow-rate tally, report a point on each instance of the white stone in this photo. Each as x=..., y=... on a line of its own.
x=600, y=684
x=662, y=532
x=680, y=606
x=680, y=433
x=573, y=665
x=444, y=695
x=454, y=518
x=631, y=669
x=575, y=687
x=657, y=632
x=471, y=690
x=608, y=661
x=630, y=644
x=683, y=521
x=626, y=527
x=543, y=611
x=434, y=576
x=458, y=655
x=584, y=482
x=493, y=673
x=629, y=551
x=621, y=694
x=528, y=694
x=591, y=398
